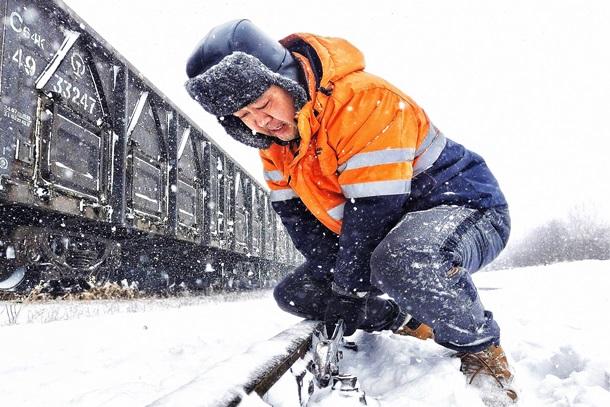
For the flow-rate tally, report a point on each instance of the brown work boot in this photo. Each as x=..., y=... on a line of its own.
x=488, y=367
x=421, y=331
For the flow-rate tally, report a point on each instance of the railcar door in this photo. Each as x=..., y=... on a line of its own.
x=257, y=220
x=268, y=229
x=189, y=184
x=242, y=212
x=147, y=159
x=216, y=198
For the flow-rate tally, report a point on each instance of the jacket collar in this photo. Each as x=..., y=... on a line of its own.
x=323, y=61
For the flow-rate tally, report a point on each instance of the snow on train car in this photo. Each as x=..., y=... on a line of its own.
x=101, y=175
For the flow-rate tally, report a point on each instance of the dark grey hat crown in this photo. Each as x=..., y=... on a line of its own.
x=241, y=35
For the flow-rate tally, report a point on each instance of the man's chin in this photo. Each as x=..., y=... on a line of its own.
x=285, y=137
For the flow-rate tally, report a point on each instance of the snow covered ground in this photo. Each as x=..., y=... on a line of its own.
x=126, y=353
x=130, y=353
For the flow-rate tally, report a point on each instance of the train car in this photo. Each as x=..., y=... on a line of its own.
x=102, y=176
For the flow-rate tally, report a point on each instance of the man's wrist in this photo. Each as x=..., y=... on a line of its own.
x=349, y=293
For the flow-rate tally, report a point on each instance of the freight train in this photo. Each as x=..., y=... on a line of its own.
x=101, y=176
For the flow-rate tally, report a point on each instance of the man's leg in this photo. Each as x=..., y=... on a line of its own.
x=305, y=295
x=425, y=264
x=302, y=294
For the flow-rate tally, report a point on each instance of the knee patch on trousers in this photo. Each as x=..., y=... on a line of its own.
x=410, y=265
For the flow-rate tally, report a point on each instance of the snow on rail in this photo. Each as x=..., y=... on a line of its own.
x=255, y=370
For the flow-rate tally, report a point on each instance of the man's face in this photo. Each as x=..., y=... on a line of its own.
x=271, y=114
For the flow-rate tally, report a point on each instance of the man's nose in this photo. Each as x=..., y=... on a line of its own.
x=262, y=119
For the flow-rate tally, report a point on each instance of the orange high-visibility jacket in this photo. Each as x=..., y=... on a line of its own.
x=367, y=154
x=360, y=136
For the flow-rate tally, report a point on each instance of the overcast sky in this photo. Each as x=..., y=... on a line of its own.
x=524, y=83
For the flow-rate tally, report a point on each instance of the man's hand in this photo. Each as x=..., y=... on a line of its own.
x=350, y=309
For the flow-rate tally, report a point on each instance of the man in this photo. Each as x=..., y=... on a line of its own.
x=376, y=198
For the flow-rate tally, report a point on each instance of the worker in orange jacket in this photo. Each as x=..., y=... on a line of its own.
x=374, y=196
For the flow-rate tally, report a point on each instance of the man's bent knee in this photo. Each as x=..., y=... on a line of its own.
x=394, y=266
x=280, y=295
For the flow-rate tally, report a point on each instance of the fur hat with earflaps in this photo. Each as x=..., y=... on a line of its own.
x=232, y=67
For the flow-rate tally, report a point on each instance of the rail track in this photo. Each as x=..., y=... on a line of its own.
x=304, y=351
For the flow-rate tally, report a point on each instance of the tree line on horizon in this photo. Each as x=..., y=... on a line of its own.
x=582, y=235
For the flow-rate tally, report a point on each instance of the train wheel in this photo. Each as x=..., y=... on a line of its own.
x=11, y=277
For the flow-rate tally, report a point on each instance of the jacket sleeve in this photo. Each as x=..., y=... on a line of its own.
x=318, y=244
x=376, y=151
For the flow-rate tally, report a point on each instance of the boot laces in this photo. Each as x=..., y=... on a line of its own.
x=484, y=362
x=487, y=363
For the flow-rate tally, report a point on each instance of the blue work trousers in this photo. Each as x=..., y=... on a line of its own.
x=425, y=264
